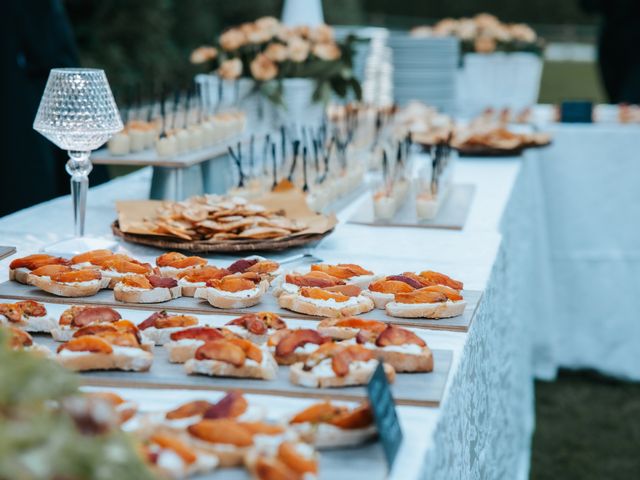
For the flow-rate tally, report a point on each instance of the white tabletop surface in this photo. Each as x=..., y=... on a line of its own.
x=468, y=255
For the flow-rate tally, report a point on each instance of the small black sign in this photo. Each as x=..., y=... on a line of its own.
x=575, y=111
x=384, y=413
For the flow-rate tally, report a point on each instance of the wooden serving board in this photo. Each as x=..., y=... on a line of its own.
x=18, y=291
x=420, y=389
x=452, y=215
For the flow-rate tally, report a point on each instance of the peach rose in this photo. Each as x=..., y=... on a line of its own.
x=270, y=24
x=445, y=27
x=302, y=31
x=262, y=68
x=203, y=54
x=466, y=29
x=255, y=34
x=486, y=20
x=284, y=33
x=327, y=51
x=321, y=34
x=298, y=49
x=232, y=39
x=422, y=31
x=523, y=33
x=499, y=32
x=230, y=69
x=484, y=44
x=276, y=52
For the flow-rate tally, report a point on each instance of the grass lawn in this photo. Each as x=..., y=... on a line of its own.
x=570, y=81
x=588, y=427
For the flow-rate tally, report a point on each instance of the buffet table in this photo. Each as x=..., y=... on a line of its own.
x=483, y=426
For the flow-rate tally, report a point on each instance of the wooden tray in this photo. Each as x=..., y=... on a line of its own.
x=15, y=290
x=162, y=242
x=419, y=389
x=452, y=215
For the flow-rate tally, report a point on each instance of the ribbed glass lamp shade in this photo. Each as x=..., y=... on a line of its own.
x=77, y=110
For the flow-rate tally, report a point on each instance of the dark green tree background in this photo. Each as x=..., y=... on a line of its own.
x=147, y=42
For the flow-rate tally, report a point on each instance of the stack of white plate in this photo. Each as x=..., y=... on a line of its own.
x=425, y=69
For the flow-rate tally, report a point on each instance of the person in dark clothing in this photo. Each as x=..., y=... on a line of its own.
x=618, y=53
x=36, y=37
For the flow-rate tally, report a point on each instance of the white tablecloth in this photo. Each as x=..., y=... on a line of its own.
x=588, y=182
x=483, y=427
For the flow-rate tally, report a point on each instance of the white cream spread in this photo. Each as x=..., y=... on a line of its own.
x=350, y=302
x=185, y=283
x=241, y=294
x=140, y=357
x=129, y=288
x=290, y=288
x=188, y=342
x=171, y=462
x=323, y=369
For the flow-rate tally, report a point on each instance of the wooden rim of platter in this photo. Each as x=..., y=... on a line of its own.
x=227, y=246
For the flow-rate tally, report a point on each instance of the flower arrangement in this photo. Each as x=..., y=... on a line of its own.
x=484, y=33
x=267, y=52
x=50, y=431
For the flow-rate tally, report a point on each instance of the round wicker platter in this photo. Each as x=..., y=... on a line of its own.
x=227, y=246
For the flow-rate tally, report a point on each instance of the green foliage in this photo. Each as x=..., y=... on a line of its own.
x=40, y=441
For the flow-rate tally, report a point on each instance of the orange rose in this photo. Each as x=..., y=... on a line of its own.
x=270, y=24
x=276, y=52
x=262, y=68
x=203, y=54
x=327, y=51
x=232, y=39
x=321, y=34
x=298, y=49
x=230, y=69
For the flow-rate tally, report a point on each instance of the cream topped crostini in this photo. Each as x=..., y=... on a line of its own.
x=337, y=365
x=105, y=347
x=350, y=273
x=183, y=344
x=232, y=357
x=289, y=459
x=330, y=425
x=257, y=327
x=438, y=297
x=337, y=301
x=232, y=405
x=118, y=266
x=146, y=289
x=64, y=281
x=171, y=264
x=230, y=439
x=79, y=316
x=171, y=457
x=347, y=328
x=293, y=346
x=27, y=315
x=240, y=290
x=20, y=268
x=21, y=340
x=401, y=348
x=159, y=326
x=193, y=278
x=292, y=282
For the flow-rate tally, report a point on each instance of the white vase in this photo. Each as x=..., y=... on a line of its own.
x=298, y=105
x=498, y=80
